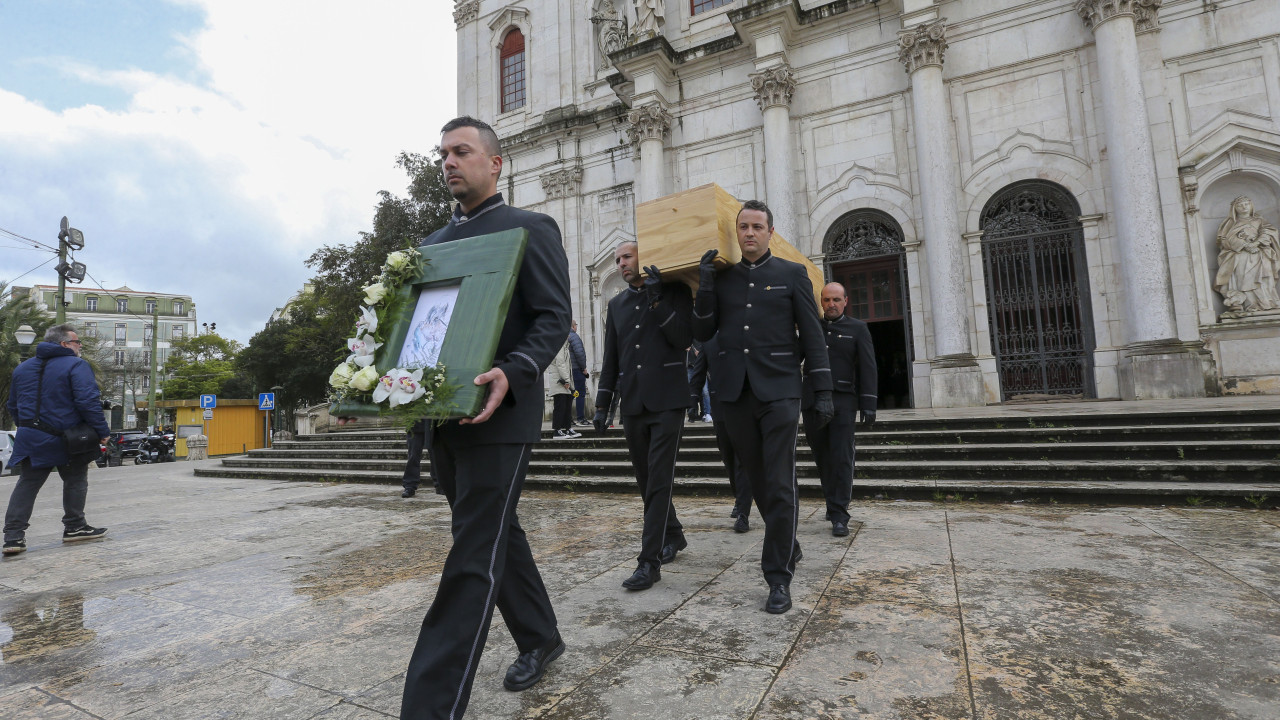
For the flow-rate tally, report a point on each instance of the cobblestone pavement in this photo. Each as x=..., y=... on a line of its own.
x=275, y=600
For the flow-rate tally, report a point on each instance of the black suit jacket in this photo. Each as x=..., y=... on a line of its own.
x=644, y=350
x=537, y=320
x=853, y=362
x=768, y=325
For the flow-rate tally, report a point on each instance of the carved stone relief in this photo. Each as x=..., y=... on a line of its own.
x=1095, y=12
x=562, y=183
x=774, y=87
x=610, y=30
x=1248, y=263
x=922, y=45
x=466, y=11
x=648, y=122
x=650, y=17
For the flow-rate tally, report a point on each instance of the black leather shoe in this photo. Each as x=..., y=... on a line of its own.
x=743, y=524
x=670, y=549
x=409, y=492
x=779, y=600
x=643, y=578
x=529, y=668
x=734, y=512
x=839, y=529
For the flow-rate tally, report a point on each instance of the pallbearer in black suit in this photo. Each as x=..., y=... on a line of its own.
x=768, y=323
x=646, y=333
x=480, y=462
x=853, y=375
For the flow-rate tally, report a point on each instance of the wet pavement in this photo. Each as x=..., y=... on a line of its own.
x=216, y=598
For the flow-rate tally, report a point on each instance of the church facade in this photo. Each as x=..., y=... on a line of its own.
x=1024, y=198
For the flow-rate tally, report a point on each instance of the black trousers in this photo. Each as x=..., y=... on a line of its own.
x=413, y=468
x=561, y=411
x=833, y=453
x=738, y=481
x=490, y=563
x=653, y=439
x=75, y=491
x=580, y=402
x=764, y=441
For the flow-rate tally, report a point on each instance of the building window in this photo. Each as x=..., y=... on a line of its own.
x=705, y=5
x=178, y=332
x=91, y=303
x=121, y=330
x=146, y=332
x=513, y=74
x=146, y=382
x=122, y=305
x=151, y=306
x=119, y=357
x=177, y=307
x=91, y=329
x=146, y=358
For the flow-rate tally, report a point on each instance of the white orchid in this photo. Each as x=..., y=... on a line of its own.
x=362, y=350
x=365, y=379
x=368, y=322
x=341, y=376
x=399, y=387
x=373, y=294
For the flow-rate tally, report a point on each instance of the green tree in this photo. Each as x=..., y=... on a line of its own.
x=203, y=364
x=14, y=313
x=300, y=351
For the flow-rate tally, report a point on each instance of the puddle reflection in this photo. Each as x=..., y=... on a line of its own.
x=42, y=627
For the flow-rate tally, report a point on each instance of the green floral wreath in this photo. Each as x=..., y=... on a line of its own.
x=409, y=394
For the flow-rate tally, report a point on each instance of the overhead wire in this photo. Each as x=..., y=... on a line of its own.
x=24, y=238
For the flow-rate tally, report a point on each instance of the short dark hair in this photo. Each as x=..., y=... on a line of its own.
x=487, y=136
x=760, y=207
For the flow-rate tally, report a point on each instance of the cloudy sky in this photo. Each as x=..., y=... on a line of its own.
x=209, y=146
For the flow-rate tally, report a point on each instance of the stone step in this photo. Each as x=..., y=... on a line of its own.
x=940, y=489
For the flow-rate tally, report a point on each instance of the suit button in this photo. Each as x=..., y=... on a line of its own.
x=746, y=327
x=748, y=305
x=637, y=367
x=746, y=351
x=637, y=327
x=637, y=347
x=637, y=307
x=751, y=284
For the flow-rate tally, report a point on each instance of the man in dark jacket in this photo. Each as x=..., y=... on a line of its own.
x=480, y=463
x=50, y=393
x=646, y=333
x=578, y=357
x=853, y=375
x=768, y=323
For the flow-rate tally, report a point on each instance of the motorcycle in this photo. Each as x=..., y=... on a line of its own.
x=155, y=449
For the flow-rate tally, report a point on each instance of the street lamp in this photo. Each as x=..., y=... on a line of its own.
x=25, y=336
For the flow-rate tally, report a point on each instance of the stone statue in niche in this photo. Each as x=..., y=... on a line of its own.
x=611, y=30
x=650, y=14
x=1248, y=261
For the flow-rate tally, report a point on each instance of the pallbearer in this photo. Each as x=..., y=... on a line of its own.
x=646, y=333
x=853, y=375
x=764, y=310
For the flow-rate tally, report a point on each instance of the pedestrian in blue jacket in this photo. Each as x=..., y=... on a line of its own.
x=61, y=385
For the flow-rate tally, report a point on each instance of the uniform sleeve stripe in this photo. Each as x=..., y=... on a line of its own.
x=531, y=360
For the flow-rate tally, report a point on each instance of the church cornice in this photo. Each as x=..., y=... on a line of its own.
x=562, y=121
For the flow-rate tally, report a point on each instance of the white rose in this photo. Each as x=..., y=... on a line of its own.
x=374, y=293
x=365, y=379
x=397, y=260
x=341, y=376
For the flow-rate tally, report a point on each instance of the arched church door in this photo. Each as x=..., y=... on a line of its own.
x=864, y=253
x=1038, y=292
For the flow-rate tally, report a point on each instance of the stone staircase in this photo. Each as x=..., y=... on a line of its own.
x=1196, y=453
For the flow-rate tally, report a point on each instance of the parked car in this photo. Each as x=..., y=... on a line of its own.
x=129, y=441
x=6, y=452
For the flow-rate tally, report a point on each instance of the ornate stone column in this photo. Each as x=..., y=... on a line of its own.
x=774, y=87
x=648, y=128
x=1155, y=364
x=955, y=379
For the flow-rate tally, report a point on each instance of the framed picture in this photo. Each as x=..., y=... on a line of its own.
x=452, y=313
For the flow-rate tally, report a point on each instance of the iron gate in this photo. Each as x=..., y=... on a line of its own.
x=1038, y=292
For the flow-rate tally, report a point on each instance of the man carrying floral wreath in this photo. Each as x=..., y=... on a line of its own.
x=480, y=462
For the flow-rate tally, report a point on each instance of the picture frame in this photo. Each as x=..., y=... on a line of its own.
x=475, y=278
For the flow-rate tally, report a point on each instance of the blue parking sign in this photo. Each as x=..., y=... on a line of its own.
x=208, y=401
x=266, y=401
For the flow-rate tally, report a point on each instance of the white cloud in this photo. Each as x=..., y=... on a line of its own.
x=222, y=189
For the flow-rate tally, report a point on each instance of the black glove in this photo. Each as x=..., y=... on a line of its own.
x=600, y=421
x=707, y=270
x=823, y=407
x=868, y=419
x=653, y=284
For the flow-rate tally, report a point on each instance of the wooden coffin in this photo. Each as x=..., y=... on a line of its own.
x=673, y=232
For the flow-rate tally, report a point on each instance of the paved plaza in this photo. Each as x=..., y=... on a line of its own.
x=217, y=598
